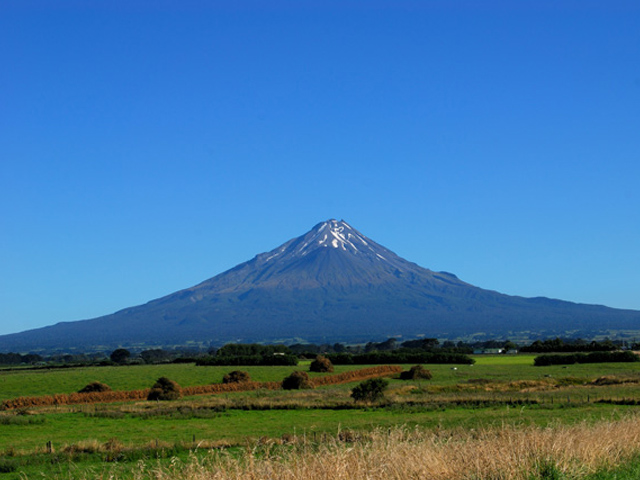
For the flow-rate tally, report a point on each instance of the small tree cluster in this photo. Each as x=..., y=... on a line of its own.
x=165, y=389
x=95, y=387
x=417, y=372
x=296, y=381
x=370, y=390
x=17, y=359
x=237, y=376
x=156, y=355
x=120, y=355
x=321, y=364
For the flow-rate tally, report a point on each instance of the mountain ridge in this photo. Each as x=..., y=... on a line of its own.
x=330, y=284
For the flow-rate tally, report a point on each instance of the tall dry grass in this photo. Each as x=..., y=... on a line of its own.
x=505, y=453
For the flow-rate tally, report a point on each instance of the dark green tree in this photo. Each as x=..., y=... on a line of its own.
x=370, y=390
x=31, y=358
x=120, y=355
x=155, y=356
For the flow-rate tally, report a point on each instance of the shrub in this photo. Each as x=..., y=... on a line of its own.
x=321, y=364
x=165, y=389
x=371, y=390
x=296, y=381
x=417, y=372
x=237, y=376
x=95, y=387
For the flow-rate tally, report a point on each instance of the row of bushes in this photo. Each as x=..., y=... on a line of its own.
x=249, y=360
x=373, y=358
x=558, y=345
x=593, y=357
x=98, y=394
x=370, y=358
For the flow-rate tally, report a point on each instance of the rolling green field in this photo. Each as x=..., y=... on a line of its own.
x=496, y=391
x=15, y=383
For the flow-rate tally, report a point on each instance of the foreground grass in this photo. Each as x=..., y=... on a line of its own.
x=602, y=450
x=239, y=427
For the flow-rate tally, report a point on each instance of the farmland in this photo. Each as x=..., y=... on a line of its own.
x=496, y=393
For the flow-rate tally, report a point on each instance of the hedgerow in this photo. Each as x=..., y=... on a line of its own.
x=75, y=398
x=249, y=360
x=373, y=358
x=593, y=357
x=357, y=375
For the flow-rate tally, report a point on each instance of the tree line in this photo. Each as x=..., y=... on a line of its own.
x=579, y=357
x=558, y=345
x=423, y=350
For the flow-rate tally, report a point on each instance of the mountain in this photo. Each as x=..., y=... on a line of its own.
x=330, y=284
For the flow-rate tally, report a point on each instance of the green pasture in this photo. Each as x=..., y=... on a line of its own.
x=237, y=427
x=520, y=359
x=492, y=392
x=23, y=382
x=16, y=383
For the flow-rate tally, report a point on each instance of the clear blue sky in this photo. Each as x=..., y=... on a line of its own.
x=147, y=146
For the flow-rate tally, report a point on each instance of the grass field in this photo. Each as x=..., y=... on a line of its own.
x=16, y=383
x=497, y=392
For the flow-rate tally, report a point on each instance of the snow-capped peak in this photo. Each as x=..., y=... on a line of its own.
x=337, y=234
x=333, y=235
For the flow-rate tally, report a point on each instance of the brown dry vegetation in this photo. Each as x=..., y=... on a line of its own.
x=504, y=453
x=525, y=386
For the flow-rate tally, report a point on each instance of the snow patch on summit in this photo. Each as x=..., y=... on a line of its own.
x=340, y=238
x=330, y=234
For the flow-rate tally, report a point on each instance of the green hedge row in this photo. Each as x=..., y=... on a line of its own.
x=593, y=357
x=374, y=358
x=250, y=360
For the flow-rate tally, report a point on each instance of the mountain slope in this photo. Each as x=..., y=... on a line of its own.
x=331, y=284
